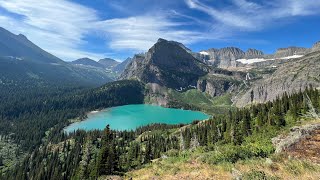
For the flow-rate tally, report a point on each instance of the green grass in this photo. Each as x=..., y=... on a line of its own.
x=202, y=100
x=193, y=96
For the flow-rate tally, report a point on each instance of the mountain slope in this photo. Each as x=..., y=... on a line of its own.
x=25, y=64
x=19, y=46
x=87, y=62
x=291, y=76
x=108, y=63
x=122, y=66
x=167, y=64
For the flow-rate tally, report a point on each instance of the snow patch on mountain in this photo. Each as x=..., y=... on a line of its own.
x=292, y=57
x=251, y=61
x=204, y=53
x=255, y=60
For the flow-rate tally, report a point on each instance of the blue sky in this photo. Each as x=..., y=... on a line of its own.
x=120, y=28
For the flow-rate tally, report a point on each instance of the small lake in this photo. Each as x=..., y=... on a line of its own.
x=133, y=116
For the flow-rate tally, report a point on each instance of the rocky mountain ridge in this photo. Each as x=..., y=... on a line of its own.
x=170, y=64
x=108, y=63
x=290, y=51
x=291, y=76
x=316, y=47
x=87, y=62
x=227, y=57
x=167, y=63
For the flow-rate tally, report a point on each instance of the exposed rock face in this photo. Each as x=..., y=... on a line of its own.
x=214, y=88
x=290, y=76
x=220, y=81
x=253, y=53
x=157, y=94
x=229, y=55
x=201, y=56
x=225, y=57
x=108, y=63
x=167, y=64
x=297, y=134
x=290, y=51
x=316, y=47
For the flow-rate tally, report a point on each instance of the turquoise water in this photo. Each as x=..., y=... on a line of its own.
x=132, y=116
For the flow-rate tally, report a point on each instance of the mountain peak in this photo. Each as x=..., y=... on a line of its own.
x=162, y=40
x=108, y=63
x=167, y=63
x=20, y=46
x=316, y=46
x=87, y=62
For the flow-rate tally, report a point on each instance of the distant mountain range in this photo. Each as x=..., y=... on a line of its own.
x=250, y=76
x=87, y=62
x=231, y=56
x=108, y=64
x=22, y=62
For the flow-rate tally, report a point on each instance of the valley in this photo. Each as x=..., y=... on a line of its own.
x=168, y=113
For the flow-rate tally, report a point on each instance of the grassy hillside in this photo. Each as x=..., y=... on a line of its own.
x=202, y=101
x=188, y=167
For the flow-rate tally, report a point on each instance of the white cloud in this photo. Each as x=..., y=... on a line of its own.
x=60, y=27
x=57, y=26
x=249, y=16
x=141, y=32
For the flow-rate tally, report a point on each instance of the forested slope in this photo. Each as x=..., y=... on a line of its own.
x=241, y=134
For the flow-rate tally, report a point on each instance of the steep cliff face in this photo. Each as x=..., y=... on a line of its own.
x=214, y=88
x=229, y=55
x=290, y=51
x=168, y=64
x=253, y=53
x=224, y=57
x=219, y=81
x=290, y=76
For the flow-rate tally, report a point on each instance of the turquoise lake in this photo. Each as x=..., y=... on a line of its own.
x=133, y=116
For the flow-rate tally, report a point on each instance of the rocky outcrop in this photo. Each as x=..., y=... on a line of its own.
x=229, y=55
x=297, y=134
x=217, y=83
x=290, y=76
x=224, y=57
x=316, y=47
x=156, y=94
x=201, y=56
x=253, y=53
x=290, y=51
x=167, y=64
x=214, y=88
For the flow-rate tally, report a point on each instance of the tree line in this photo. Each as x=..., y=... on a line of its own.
x=89, y=155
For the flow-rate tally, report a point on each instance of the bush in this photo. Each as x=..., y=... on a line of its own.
x=257, y=175
x=233, y=153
